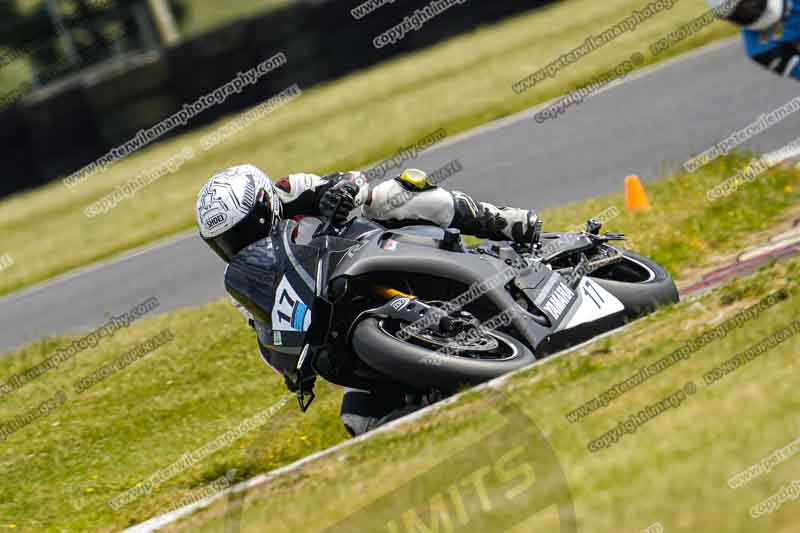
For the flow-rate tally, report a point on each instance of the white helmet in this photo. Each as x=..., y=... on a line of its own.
x=235, y=208
x=752, y=14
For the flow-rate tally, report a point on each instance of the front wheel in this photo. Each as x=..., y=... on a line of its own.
x=422, y=362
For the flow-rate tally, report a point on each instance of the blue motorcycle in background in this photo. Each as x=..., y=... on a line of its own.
x=770, y=29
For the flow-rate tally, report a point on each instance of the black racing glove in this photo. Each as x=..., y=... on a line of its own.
x=492, y=224
x=529, y=233
x=338, y=201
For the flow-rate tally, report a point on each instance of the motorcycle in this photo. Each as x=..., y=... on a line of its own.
x=414, y=311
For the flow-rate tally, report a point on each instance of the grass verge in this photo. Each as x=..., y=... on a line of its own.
x=62, y=469
x=365, y=117
x=673, y=470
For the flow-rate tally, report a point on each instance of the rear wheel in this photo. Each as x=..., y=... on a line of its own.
x=432, y=359
x=639, y=283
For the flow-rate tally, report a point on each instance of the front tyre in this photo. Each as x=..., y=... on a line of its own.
x=422, y=366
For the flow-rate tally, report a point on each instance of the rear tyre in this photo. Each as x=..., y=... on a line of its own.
x=640, y=283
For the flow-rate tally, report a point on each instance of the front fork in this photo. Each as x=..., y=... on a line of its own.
x=401, y=307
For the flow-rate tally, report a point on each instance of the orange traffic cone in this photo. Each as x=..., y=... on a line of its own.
x=635, y=196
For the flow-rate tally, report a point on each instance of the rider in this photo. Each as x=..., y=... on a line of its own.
x=240, y=205
x=771, y=31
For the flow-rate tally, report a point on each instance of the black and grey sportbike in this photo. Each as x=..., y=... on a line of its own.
x=415, y=311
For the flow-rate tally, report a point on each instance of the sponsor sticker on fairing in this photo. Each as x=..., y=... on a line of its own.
x=559, y=301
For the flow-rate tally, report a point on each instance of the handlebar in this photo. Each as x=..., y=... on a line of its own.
x=329, y=228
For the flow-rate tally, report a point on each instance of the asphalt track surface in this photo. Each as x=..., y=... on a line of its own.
x=647, y=125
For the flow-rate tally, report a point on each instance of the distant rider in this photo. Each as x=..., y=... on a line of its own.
x=771, y=31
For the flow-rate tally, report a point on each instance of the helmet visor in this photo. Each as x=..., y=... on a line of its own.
x=747, y=12
x=255, y=226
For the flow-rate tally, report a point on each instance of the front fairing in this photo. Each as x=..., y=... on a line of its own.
x=275, y=279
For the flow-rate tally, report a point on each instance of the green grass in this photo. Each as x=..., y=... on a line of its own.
x=204, y=15
x=683, y=230
x=673, y=470
x=349, y=123
x=201, y=16
x=61, y=470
